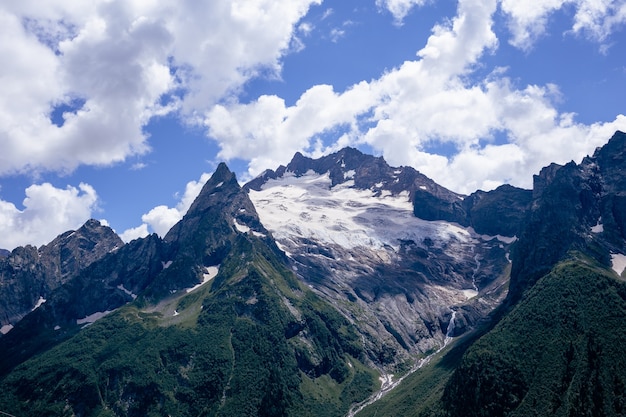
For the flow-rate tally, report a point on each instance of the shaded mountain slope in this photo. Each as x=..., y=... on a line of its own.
x=246, y=338
x=29, y=275
x=559, y=352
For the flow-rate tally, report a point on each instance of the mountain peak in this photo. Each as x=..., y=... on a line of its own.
x=222, y=184
x=614, y=149
x=222, y=172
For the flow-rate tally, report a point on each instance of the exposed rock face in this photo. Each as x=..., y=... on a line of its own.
x=498, y=212
x=347, y=223
x=575, y=207
x=29, y=275
x=72, y=251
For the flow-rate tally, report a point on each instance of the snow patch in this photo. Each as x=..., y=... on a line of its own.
x=220, y=184
x=166, y=264
x=241, y=227
x=93, y=317
x=39, y=303
x=618, y=262
x=245, y=229
x=6, y=328
x=423, y=187
x=348, y=175
x=121, y=287
x=469, y=293
x=504, y=239
x=599, y=227
x=210, y=272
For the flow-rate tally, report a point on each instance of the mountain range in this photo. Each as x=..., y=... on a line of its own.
x=333, y=286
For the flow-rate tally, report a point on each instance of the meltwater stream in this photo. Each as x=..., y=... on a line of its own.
x=389, y=384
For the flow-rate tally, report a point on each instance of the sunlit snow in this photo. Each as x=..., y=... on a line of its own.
x=121, y=287
x=241, y=227
x=210, y=272
x=92, y=317
x=6, y=328
x=307, y=207
x=469, y=293
x=618, y=262
x=504, y=239
x=598, y=228
x=39, y=303
x=245, y=229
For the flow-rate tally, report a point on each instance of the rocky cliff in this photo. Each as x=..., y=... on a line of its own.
x=29, y=275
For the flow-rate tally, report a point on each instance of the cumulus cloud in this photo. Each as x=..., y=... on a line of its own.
x=399, y=8
x=434, y=99
x=595, y=19
x=135, y=233
x=47, y=212
x=267, y=130
x=125, y=62
x=161, y=218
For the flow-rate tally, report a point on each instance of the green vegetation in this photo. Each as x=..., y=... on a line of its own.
x=559, y=352
x=252, y=342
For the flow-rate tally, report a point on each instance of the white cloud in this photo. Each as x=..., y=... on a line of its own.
x=266, y=130
x=127, y=61
x=400, y=8
x=336, y=34
x=596, y=19
x=161, y=218
x=431, y=100
x=135, y=233
x=305, y=28
x=48, y=212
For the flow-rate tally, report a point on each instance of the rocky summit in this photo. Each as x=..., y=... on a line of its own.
x=333, y=286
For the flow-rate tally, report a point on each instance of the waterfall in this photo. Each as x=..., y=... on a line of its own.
x=475, y=272
x=450, y=329
x=388, y=383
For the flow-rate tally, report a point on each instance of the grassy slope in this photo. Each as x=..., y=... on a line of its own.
x=559, y=352
x=237, y=355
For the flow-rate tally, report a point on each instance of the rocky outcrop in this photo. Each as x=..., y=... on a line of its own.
x=501, y=211
x=29, y=275
x=577, y=207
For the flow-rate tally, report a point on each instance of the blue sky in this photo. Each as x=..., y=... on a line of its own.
x=119, y=110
